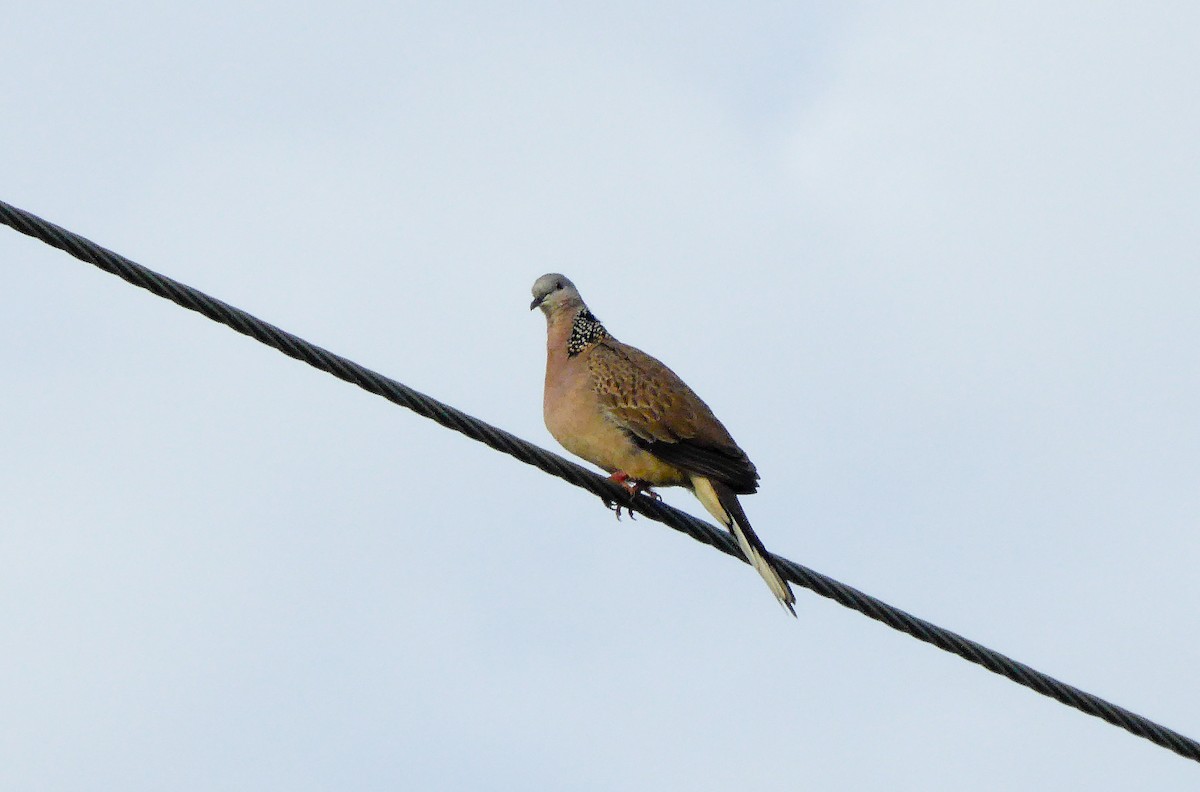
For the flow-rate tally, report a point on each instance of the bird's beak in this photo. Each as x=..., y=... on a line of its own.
x=536, y=302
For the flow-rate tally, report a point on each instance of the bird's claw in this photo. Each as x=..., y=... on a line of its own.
x=633, y=488
x=616, y=508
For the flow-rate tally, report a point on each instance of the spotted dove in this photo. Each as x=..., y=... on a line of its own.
x=630, y=415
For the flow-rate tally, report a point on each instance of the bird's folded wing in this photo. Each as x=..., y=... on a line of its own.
x=664, y=416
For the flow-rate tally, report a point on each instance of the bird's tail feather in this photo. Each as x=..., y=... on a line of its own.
x=722, y=503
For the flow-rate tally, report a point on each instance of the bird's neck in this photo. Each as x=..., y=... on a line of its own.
x=585, y=330
x=570, y=332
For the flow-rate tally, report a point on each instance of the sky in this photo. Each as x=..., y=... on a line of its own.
x=934, y=265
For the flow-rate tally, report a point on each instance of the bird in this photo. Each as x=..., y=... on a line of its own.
x=624, y=411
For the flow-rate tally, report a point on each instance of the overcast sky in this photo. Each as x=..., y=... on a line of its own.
x=935, y=266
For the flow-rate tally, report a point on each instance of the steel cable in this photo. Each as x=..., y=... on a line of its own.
x=447, y=416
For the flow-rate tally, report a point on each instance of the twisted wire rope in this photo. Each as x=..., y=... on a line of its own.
x=494, y=437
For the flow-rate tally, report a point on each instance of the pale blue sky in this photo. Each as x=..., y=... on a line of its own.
x=934, y=266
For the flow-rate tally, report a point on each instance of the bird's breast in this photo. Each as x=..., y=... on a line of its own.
x=576, y=418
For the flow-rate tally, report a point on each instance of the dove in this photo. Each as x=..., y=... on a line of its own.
x=624, y=411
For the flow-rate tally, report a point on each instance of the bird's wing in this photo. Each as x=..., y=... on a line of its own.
x=664, y=416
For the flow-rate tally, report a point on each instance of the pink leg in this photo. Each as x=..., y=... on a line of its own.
x=633, y=488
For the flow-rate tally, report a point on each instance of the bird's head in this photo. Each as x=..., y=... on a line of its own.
x=554, y=293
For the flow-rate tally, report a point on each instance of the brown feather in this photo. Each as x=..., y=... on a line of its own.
x=665, y=417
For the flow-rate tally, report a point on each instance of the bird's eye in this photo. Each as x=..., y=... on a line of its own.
x=558, y=285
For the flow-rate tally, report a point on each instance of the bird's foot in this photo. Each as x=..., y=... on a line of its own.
x=616, y=508
x=653, y=495
x=631, y=486
x=627, y=484
x=622, y=478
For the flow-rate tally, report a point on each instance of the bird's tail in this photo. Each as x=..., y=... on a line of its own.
x=722, y=503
